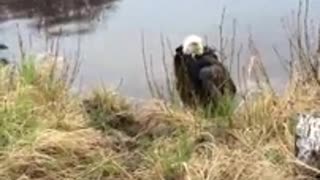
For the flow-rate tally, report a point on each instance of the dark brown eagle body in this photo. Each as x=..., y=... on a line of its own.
x=201, y=79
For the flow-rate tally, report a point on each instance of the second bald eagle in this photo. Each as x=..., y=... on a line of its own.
x=200, y=77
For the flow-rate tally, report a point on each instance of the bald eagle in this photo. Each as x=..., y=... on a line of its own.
x=201, y=79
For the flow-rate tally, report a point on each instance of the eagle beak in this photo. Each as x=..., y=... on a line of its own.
x=198, y=50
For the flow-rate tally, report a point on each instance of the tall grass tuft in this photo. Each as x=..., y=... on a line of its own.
x=103, y=106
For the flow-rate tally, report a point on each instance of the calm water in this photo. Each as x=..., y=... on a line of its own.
x=110, y=32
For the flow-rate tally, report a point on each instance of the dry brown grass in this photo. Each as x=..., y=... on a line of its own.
x=64, y=140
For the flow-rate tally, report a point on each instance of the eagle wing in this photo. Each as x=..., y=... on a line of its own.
x=182, y=79
x=216, y=80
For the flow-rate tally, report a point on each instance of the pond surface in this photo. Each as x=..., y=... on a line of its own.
x=109, y=32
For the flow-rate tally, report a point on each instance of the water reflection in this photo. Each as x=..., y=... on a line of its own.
x=58, y=16
x=113, y=51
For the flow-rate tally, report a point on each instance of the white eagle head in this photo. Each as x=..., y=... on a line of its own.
x=193, y=45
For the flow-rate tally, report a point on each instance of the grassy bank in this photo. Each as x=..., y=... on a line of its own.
x=49, y=133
